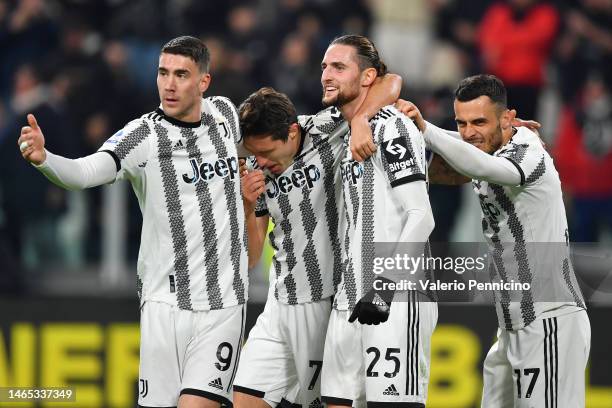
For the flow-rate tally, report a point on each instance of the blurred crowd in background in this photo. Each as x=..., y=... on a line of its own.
x=86, y=68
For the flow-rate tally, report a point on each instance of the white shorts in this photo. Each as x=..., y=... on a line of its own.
x=188, y=352
x=283, y=354
x=542, y=365
x=386, y=364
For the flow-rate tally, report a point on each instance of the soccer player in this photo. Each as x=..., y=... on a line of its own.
x=540, y=356
x=282, y=358
x=192, y=269
x=385, y=360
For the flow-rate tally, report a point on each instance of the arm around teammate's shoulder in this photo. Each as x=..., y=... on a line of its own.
x=471, y=161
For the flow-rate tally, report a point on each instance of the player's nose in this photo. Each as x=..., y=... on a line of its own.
x=170, y=84
x=262, y=161
x=469, y=131
x=325, y=76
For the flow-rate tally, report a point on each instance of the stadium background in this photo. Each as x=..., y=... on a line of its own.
x=68, y=310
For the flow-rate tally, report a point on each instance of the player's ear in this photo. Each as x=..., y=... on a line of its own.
x=293, y=131
x=368, y=76
x=506, y=118
x=204, y=82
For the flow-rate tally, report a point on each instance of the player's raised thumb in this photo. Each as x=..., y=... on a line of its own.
x=32, y=121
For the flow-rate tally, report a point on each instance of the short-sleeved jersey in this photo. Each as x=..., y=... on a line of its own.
x=526, y=229
x=370, y=214
x=186, y=178
x=303, y=203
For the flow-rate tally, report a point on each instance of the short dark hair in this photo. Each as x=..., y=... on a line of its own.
x=191, y=47
x=366, y=52
x=267, y=112
x=476, y=86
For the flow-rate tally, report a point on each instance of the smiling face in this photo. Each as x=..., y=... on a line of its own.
x=340, y=76
x=180, y=85
x=274, y=155
x=480, y=123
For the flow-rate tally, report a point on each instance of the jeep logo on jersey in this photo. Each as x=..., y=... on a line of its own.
x=298, y=178
x=224, y=167
x=351, y=171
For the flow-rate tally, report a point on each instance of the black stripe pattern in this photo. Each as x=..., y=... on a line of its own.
x=331, y=211
x=229, y=186
x=309, y=223
x=328, y=127
x=208, y=225
x=498, y=263
x=354, y=197
x=132, y=140
x=289, y=248
x=348, y=270
x=367, y=226
x=537, y=172
x=139, y=286
x=175, y=217
x=516, y=152
x=520, y=252
x=568, y=281
x=227, y=110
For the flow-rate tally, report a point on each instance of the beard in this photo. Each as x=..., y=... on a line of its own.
x=329, y=102
x=497, y=140
x=341, y=98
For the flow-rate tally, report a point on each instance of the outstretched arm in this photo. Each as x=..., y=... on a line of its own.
x=383, y=92
x=93, y=170
x=439, y=171
x=76, y=174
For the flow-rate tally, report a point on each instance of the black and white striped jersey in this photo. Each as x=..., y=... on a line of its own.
x=526, y=229
x=370, y=215
x=186, y=178
x=303, y=203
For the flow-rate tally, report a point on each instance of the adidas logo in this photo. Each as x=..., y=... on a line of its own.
x=178, y=145
x=316, y=404
x=217, y=384
x=391, y=390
